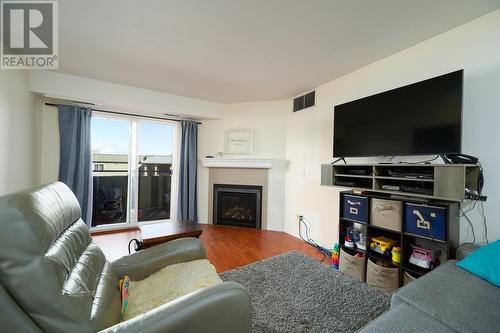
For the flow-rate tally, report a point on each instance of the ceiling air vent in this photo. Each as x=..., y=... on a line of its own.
x=304, y=101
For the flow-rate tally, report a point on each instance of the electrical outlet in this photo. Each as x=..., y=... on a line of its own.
x=299, y=216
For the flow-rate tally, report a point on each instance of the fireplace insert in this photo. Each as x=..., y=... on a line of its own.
x=238, y=205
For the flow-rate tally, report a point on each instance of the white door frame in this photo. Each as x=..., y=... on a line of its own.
x=132, y=204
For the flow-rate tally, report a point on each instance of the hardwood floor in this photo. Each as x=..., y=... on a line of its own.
x=227, y=247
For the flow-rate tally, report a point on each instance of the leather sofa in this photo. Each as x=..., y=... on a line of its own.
x=54, y=278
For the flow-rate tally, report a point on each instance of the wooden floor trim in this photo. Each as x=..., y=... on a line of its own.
x=114, y=231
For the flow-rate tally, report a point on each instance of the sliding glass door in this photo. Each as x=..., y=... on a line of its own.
x=155, y=151
x=110, y=157
x=133, y=165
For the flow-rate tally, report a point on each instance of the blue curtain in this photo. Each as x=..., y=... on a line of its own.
x=75, y=164
x=188, y=161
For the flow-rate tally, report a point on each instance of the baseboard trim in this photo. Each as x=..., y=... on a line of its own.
x=274, y=227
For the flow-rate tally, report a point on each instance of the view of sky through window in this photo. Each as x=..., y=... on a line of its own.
x=111, y=136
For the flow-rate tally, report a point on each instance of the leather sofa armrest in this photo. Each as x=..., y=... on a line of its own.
x=142, y=264
x=222, y=308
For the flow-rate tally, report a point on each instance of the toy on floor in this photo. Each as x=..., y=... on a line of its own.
x=382, y=245
x=335, y=256
x=424, y=258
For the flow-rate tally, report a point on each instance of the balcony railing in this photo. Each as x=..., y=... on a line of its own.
x=110, y=195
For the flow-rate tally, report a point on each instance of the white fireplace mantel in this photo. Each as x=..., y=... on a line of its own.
x=247, y=163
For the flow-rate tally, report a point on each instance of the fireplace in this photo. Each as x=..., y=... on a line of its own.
x=238, y=205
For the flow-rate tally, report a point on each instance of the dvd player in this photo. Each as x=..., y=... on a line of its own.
x=416, y=189
x=345, y=183
x=391, y=187
x=411, y=174
x=359, y=172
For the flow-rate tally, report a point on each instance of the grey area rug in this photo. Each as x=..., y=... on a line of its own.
x=293, y=292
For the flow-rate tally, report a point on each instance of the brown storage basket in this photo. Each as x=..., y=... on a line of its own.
x=351, y=265
x=383, y=278
x=407, y=278
x=386, y=213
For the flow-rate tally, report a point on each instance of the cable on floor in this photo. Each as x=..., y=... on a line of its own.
x=326, y=252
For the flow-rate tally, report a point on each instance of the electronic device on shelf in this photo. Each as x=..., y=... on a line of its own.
x=460, y=159
x=359, y=172
x=474, y=195
x=391, y=187
x=411, y=174
x=345, y=183
x=417, y=189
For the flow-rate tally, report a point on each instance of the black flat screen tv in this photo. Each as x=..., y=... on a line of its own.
x=417, y=119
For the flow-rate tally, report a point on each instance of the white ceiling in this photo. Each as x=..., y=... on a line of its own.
x=244, y=50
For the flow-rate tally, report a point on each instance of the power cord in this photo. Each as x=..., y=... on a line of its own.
x=480, y=185
x=464, y=214
x=436, y=244
x=420, y=162
x=483, y=216
x=484, y=222
x=310, y=241
x=137, y=245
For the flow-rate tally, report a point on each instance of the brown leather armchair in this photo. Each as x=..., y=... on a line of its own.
x=54, y=278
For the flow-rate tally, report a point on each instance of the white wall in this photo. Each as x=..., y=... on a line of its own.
x=123, y=98
x=475, y=47
x=17, y=132
x=48, y=144
x=268, y=119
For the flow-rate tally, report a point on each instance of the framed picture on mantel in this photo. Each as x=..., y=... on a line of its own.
x=238, y=141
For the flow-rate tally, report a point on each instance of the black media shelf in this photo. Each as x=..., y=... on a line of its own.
x=351, y=220
x=352, y=251
x=423, y=237
x=404, y=240
x=383, y=229
x=415, y=269
x=381, y=257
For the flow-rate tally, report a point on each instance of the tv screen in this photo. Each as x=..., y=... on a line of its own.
x=417, y=119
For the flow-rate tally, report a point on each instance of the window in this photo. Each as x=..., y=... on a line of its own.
x=133, y=164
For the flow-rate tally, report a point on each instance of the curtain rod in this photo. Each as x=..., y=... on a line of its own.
x=131, y=114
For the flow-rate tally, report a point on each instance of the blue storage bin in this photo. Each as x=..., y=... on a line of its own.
x=354, y=207
x=426, y=221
